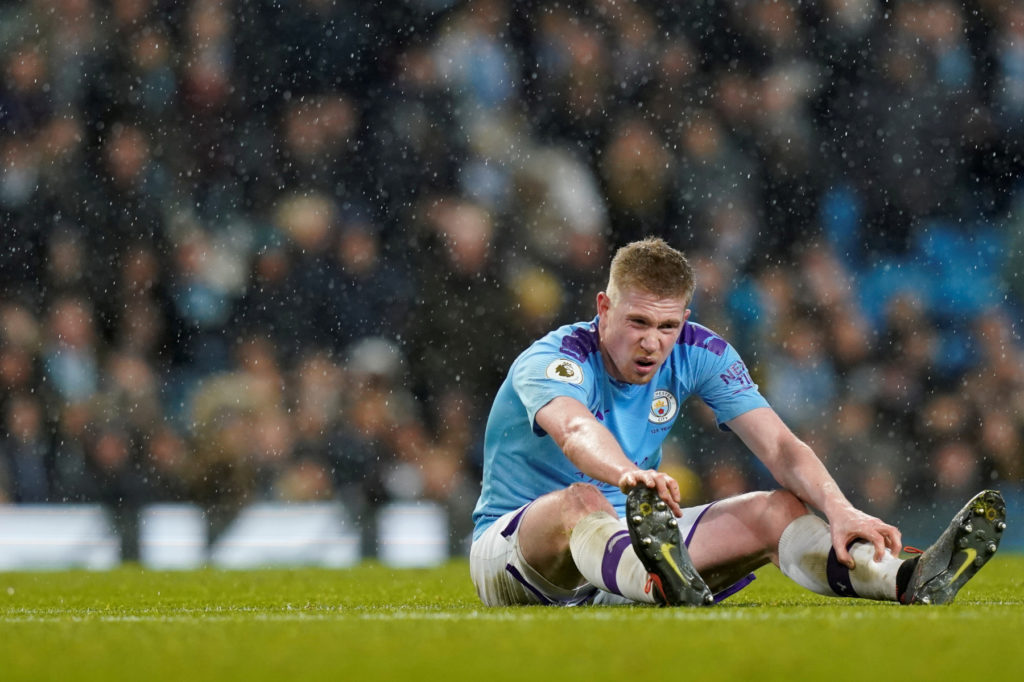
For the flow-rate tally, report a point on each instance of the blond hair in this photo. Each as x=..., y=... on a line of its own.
x=652, y=266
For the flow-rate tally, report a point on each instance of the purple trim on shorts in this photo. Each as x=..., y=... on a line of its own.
x=579, y=601
x=693, y=528
x=613, y=550
x=839, y=576
x=514, y=523
x=519, y=576
x=735, y=587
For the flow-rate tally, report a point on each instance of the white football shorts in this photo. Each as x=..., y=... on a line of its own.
x=503, y=578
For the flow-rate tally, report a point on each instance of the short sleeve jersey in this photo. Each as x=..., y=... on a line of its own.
x=521, y=462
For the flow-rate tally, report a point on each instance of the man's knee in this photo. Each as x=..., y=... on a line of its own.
x=785, y=504
x=553, y=516
x=545, y=530
x=781, y=508
x=581, y=499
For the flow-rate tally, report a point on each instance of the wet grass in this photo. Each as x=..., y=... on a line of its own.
x=372, y=622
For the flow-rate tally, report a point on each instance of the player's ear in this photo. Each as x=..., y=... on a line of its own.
x=603, y=303
x=686, y=315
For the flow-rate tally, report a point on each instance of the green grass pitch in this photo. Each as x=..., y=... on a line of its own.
x=376, y=623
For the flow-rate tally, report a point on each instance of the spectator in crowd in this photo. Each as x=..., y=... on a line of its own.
x=461, y=300
x=24, y=450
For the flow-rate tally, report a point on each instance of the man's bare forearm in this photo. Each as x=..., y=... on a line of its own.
x=585, y=441
x=798, y=469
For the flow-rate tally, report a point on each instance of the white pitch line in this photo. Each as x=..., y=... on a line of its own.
x=768, y=613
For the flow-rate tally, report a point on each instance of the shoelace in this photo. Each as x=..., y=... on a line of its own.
x=655, y=581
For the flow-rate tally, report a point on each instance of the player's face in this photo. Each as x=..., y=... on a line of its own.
x=638, y=332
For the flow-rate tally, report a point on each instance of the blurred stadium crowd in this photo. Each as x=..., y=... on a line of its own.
x=261, y=250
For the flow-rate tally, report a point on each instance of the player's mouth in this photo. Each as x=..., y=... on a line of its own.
x=644, y=365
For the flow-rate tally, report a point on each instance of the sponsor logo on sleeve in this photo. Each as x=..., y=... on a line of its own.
x=663, y=407
x=565, y=370
x=737, y=377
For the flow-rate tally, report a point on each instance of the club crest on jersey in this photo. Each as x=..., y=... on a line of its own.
x=565, y=370
x=663, y=407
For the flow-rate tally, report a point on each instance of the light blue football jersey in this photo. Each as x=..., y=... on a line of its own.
x=521, y=462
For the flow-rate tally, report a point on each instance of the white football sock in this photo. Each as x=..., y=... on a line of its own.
x=806, y=557
x=603, y=553
x=803, y=553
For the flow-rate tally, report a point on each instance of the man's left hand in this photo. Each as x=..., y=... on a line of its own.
x=852, y=524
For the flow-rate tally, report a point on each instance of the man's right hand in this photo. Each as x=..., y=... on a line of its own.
x=668, y=489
